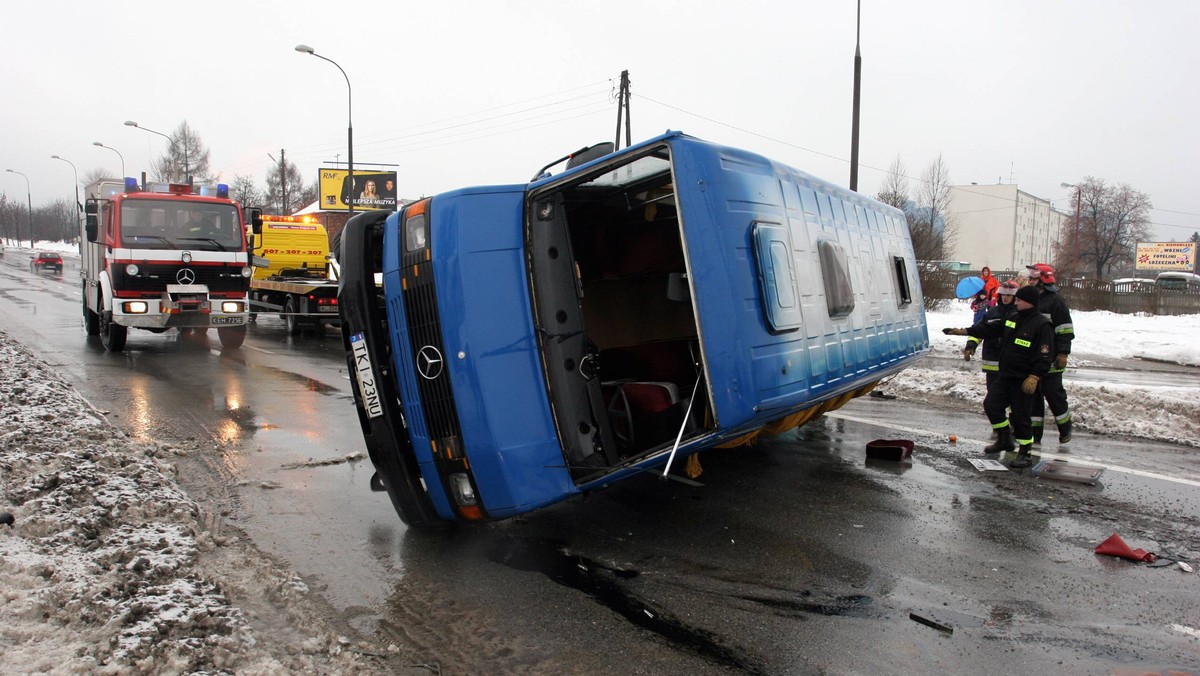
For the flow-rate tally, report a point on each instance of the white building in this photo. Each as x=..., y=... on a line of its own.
x=1002, y=227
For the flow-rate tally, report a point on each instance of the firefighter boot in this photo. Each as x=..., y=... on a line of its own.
x=1004, y=441
x=1064, y=432
x=1023, y=458
x=1037, y=434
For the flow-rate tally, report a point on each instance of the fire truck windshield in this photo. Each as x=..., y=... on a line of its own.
x=172, y=224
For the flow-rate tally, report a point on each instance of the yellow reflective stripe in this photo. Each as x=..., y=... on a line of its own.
x=1022, y=343
x=991, y=366
x=1065, y=328
x=1000, y=425
x=972, y=340
x=1010, y=323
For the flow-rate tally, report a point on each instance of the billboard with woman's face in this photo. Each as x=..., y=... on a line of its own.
x=368, y=190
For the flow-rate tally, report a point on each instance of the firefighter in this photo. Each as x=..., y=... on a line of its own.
x=1051, y=304
x=1026, y=343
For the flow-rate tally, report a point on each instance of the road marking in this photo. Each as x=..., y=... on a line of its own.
x=1073, y=459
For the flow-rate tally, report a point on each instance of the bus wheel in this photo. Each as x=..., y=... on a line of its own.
x=232, y=337
x=112, y=335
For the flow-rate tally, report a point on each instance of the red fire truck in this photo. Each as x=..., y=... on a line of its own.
x=161, y=256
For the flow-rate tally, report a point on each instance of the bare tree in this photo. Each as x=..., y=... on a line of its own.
x=185, y=156
x=894, y=191
x=285, y=189
x=1112, y=220
x=930, y=223
x=246, y=191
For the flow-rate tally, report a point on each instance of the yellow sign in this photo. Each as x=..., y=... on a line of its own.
x=370, y=190
x=1166, y=256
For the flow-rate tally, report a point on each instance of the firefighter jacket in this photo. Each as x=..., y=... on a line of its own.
x=1051, y=304
x=1026, y=343
x=990, y=355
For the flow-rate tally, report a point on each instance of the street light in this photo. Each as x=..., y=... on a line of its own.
x=29, y=202
x=78, y=206
x=187, y=170
x=349, y=122
x=118, y=152
x=1078, y=195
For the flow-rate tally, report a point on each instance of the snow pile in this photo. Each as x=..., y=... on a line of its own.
x=108, y=566
x=1164, y=413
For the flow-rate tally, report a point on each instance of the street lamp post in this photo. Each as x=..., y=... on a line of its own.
x=29, y=203
x=187, y=170
x=1078, y=196
x=349, y=123
x=78, y=206
x=118, y=152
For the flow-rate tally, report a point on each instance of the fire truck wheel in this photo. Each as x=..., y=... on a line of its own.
x=112, y=335
x=232, y=337
x=290, y=318
x=91, y=320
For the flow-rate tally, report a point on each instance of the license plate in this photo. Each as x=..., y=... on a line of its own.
x=228, y=320
x=326, y=308
x=365, y=376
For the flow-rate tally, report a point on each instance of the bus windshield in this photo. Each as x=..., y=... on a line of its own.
x=176, y=224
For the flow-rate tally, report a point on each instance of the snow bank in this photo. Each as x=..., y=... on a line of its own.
x=109, y=566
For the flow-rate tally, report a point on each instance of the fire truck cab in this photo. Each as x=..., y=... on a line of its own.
x=159, y=256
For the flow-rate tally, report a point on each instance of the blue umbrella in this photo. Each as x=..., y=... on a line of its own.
x=969, y=286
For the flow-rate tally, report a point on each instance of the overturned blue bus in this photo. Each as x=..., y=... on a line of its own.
x=533, y=342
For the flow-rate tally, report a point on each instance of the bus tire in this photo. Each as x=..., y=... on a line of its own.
x=232, y=337
x=91, y=320
x=290, y=318
x=112, y=335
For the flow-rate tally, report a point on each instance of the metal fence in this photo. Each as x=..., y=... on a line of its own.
x=1085, y=295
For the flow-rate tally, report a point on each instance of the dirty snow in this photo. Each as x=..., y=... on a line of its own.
x=109, y=567
x=1165, y=413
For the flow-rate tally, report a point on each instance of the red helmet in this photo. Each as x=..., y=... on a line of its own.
x=1042, y=273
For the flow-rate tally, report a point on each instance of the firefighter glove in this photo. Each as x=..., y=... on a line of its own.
x=1030, y=384
x=968, y=351
x=1060, y=362
x=954, y=332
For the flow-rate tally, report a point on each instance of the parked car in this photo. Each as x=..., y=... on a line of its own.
x=1133, y=285
x=1177, y=281
x=46, y=260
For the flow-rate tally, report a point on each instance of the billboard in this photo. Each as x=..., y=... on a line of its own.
x=1164, y=256
x=370, y=190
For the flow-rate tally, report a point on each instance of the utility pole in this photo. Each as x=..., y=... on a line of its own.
x=283, y=179
x=854, y=114
x=623, y=107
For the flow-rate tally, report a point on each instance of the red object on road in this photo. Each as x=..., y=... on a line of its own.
x=1115, y=546
x=889, y=449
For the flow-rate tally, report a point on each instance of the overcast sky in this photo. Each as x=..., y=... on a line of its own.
x=1032, y=92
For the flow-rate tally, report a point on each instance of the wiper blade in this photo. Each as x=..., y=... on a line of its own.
x=220, y=247
x=160, y=238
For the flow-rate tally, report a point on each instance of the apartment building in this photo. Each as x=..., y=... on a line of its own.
x=1002, y=227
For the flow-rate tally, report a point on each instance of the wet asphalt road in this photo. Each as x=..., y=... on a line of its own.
x=798, y=556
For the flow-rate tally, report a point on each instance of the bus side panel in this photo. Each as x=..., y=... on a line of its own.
x=723, y=193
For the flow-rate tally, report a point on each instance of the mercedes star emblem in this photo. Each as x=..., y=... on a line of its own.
x=185, y=276
x=429, y=362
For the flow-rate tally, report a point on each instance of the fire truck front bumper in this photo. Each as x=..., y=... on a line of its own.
x=182, y=307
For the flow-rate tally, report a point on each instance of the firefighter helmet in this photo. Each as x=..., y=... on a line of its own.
x=1042, y=273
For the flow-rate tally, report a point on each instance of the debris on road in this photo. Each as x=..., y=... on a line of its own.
x=1115, y=546
x=987, y=465
x=930, y=622
x=889, y=449
x=1057, y=469
x=349, y=457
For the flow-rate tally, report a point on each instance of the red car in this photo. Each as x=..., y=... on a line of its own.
x=46, y=260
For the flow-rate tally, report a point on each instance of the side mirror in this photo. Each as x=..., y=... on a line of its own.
x=91, y=208
x=254, y=215
x=588, y=154
x=91, y=227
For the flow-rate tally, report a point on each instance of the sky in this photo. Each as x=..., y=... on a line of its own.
x=468, y=93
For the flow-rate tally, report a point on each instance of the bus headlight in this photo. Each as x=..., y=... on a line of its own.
x=416, y=232
x=464, y=493
x=231, y=306
x=247, y=271
x=135, y=307
x=131, y=269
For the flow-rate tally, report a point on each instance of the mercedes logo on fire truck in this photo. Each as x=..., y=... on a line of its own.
x=185, y=276
x=429, y=362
